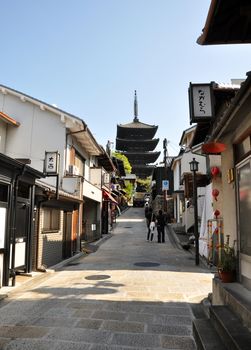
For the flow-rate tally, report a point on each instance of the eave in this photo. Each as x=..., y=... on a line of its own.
x=146, y=144
x=8, y=120
x=80, y=131
x=228, y=22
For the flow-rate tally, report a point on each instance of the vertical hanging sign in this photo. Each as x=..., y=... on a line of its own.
x=51, y=163
x=51, y=167
x=201, y=102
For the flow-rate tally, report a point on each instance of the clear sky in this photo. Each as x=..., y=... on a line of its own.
x=88, y=57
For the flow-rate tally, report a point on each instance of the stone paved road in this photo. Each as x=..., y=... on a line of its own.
x=128, y=295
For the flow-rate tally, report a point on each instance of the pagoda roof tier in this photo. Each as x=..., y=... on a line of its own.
x=135, y=144
x=137, y=130
x=145, y=157
x=143, y=171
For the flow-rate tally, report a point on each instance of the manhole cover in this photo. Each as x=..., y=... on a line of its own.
x=128, y=227
x=146, y=264
x=97, y=277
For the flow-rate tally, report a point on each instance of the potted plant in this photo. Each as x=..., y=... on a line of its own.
x=228, y=263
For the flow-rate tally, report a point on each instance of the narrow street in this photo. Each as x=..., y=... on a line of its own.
x=129, y=294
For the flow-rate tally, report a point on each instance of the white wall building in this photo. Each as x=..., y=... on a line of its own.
x=31, y=128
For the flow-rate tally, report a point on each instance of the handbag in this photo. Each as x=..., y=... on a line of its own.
x=152, y=224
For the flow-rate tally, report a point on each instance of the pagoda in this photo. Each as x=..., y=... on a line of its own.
x=136, y=141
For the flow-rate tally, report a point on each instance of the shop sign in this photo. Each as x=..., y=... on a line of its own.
x=201, y=102
x=51, y=163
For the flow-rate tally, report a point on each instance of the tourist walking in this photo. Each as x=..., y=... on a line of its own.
x=150, y=219
x=160, y=222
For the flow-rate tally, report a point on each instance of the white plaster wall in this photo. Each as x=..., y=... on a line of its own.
x=1, y=270
x=87, y=169
x=176, y=177
x=207, y=213
x=92, y=192
x=228, y=196
x=188, y=157
x=96, y=176
x=3, y=128
x=39, y=131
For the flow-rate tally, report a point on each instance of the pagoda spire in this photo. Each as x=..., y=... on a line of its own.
x=136, y=119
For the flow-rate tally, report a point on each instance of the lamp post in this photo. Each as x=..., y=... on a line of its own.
x=194, y=168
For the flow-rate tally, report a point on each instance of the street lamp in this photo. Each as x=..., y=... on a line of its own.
x=194, y=168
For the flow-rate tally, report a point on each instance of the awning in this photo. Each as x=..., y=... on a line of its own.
x=109, y=197
x=7, y=119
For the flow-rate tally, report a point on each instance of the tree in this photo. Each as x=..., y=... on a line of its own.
x=128, y=186
x=127, y=165
x=144, y=183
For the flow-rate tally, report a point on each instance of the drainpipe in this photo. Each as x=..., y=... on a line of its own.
x=13, y=250
x=74, y=133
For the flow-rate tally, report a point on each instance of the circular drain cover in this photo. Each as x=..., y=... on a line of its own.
x=97, y=277
x=146, y=264
x=128, y=227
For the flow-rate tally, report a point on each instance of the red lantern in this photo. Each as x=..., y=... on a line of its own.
x=216, y=213
x=215, y=193
x=213, y=147
x=215, y=171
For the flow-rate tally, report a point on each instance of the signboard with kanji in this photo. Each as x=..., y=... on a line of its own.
x=51, y=163
x=200, y=102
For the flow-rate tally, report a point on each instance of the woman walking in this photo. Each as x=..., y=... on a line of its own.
x=150, y=218
x=160, y=221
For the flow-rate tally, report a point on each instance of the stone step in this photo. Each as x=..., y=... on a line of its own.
x=205, y=335
x=236, y=296
x=230, y=329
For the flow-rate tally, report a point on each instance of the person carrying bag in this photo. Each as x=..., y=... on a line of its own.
x=152, y=227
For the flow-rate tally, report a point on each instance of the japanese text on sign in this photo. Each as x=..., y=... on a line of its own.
x=51, y=162
x=202, y=101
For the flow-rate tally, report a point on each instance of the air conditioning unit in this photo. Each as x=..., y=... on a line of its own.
x=73, y=170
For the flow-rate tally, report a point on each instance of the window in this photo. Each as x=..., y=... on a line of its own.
x=51, y=219
x=244, y=194
x=23, y=190
x=242, y=149
x=79, y=162
x=3, y=192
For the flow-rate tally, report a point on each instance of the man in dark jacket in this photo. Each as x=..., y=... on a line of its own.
x=160, y=221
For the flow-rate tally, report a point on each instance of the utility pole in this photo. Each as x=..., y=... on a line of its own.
x=165, y=143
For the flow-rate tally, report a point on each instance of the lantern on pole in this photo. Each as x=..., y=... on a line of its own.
x=216, y=213
x=215, y=193
x=215, y=171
